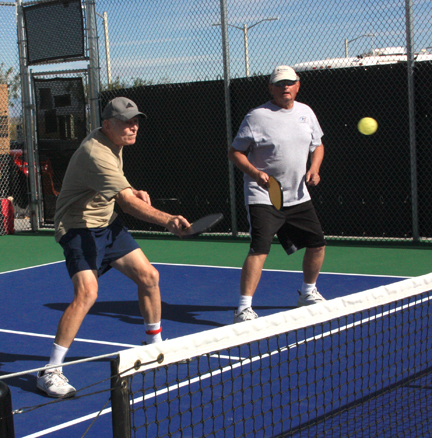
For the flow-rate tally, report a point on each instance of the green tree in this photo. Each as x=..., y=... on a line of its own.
x=116, y=84
x=138, y=82
x=12, y=80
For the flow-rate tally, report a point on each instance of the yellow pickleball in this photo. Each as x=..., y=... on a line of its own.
x=367, y=126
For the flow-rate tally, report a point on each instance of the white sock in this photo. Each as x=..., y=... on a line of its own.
x=153, y=332
x=307, y=288
x=244, y=303
x=58, y=354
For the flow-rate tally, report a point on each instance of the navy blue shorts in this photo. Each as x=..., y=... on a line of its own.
x=96, y=248
x=296, y=227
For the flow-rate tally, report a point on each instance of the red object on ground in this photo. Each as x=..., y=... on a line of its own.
x=7, y=216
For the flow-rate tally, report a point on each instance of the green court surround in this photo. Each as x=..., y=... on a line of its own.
x=22, y=250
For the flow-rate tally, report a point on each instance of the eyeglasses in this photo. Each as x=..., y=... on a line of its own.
x=284, y=83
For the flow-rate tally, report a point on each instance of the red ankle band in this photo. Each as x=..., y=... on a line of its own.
x=153, y=332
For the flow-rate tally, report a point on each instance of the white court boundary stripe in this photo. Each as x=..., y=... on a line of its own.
x=279, y=270
x=68, y=424
x=228, y=368
x=74, y=362
x=90, y=341
x=222, y=267
x=31, y=267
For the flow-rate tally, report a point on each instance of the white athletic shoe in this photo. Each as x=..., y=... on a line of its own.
x=313, y=297
x=54, y=383
x=245, y=315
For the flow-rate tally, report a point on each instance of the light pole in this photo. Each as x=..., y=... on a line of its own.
x=245, y=29
x=350, y=41
x=107, y=50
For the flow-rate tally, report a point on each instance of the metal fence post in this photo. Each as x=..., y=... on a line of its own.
x=94, y=68
x=227, y=81
x=27, y=118
x=411, y=115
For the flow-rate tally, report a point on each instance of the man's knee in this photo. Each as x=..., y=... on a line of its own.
x=315, y=251
x=85, y=288
x=148, y=277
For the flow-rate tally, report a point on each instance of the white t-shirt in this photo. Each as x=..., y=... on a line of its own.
x=278, y=142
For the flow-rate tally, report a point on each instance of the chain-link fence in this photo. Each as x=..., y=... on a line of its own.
x=352, y=59
x=14, y=188
x=197, y=67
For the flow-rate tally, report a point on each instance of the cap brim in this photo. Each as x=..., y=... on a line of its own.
x=129, y=115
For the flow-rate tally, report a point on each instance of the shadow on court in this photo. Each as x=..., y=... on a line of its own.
x=128, y=311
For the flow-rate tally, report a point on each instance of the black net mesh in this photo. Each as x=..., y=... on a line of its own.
x=55, y=31
x=365, y=373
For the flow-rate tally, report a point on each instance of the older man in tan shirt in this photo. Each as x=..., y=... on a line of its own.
x=93, y=238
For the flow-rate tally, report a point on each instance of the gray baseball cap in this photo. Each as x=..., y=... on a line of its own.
x=121, y=108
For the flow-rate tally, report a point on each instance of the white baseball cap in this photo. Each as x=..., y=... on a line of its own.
x=283, y=73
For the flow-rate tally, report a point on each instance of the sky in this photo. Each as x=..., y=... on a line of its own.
x=165, y=41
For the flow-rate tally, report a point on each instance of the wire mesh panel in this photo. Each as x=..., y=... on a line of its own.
x=61, y=126
x=170, y=68
x=197, y=67
x=13, y=162
x=352, y=60
x=54, y=30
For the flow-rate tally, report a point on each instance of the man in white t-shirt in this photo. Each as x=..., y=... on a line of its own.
x=277, y=139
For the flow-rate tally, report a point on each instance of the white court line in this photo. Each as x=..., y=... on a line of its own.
x=226, y=267
x=88, y=359
x=279, y=270
x=31, y=267
x=90, y=341
x=68, y=424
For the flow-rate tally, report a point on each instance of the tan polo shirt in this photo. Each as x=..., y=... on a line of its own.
x=93, y=177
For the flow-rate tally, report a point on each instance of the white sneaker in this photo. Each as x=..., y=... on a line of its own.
x=313, y=297
x=245, y=315
x=54, y=383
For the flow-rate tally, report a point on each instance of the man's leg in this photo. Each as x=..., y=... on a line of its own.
x=52, y=381
x=136, y=266
x=250, y=277
x=312, y=263
x=86, y=290
x=251, y=273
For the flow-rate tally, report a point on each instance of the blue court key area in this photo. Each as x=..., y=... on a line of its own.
x=194, y=299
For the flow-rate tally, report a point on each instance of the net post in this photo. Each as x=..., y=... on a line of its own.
x=121, y=416
x=6, y=418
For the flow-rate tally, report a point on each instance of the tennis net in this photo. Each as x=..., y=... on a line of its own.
x=353, y=366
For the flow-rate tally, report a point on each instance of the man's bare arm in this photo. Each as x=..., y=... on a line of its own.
x=136, y=207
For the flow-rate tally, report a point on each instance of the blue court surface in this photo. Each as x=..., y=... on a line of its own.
x=195, y=298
